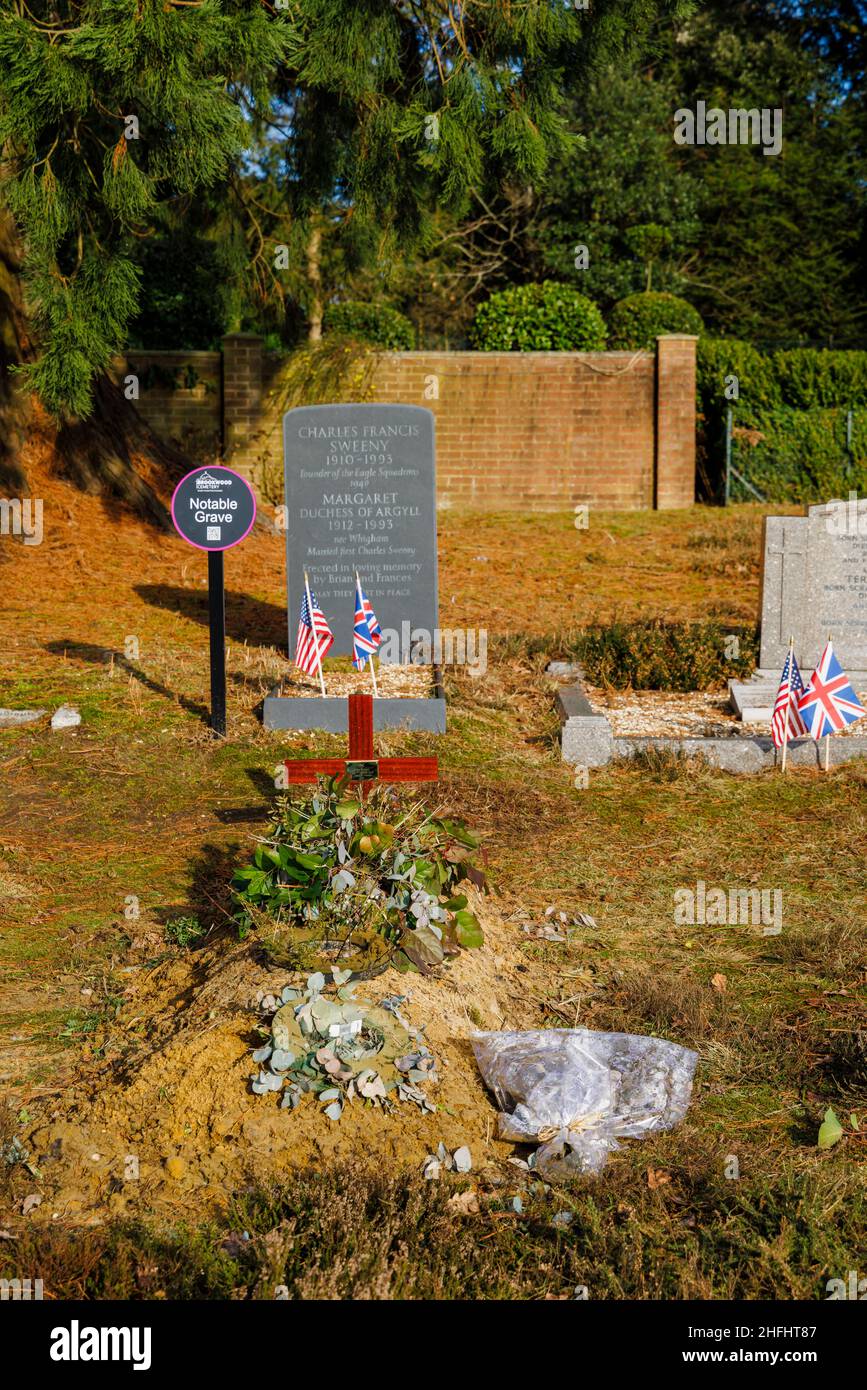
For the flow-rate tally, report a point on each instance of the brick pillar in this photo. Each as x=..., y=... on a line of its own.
x=242, y=400
x=675, y=421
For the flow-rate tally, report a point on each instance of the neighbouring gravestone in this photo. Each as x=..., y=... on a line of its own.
x=360, y=494
x=814, y=582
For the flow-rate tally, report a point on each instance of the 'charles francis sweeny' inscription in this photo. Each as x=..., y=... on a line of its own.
x=360, y=494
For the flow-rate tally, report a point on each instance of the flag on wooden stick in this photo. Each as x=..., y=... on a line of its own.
x=314, y=636
x=829, y=703
x=366, y=633
x=786, y=722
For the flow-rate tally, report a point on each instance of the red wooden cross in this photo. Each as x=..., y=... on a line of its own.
x=361, y=764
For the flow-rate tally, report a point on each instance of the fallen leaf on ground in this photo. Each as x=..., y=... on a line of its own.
x=657, y=1177
x=464, y=1203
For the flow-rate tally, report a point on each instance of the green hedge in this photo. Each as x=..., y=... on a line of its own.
x=789, y=419
x=548, y=317
x=806, y=378
x=798, y=455
x=370, y=323
x=638, y=320
x=653, y=655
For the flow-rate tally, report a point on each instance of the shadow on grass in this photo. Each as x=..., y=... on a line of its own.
x=235, y=815
x=101, y=656
x=248, y=619
x=209, y=899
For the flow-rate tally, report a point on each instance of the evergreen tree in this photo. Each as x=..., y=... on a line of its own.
x=625, y=195
x=782, y=237
x=109, y=109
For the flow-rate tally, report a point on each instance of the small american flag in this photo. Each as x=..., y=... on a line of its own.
x=788, y=696
x=314, y=637
x=367, y=634
x=829, y=703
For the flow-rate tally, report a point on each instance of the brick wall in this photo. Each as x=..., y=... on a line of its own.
x=537, y=431
x=180, y=395
x=242, y=401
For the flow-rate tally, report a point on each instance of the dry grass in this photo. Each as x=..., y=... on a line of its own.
x=680, y=1007
x=142, y=803
x=352, y=1233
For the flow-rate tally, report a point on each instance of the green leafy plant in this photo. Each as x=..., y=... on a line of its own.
x=340, y=881
x=184, y=931
x=371, y=323
x=548, y=317
x=789, y=417
x=648, y=242
x=637, y=321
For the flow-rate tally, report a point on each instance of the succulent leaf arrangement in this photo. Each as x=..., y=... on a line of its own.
x=342, y=1049
x=353, y=867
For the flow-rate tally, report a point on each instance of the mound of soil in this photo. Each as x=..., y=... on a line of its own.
x=172, y=1126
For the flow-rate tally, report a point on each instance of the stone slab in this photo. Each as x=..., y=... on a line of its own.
x=753, y=700
x=585, y=736
x=587, y=741
x=742, y=754
x=13, y=718
x=572, y=703
x=331, y=715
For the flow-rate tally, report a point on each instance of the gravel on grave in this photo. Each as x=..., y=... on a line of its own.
x=393, y=682
x=693, y=714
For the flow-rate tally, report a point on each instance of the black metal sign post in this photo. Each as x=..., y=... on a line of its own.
x=217, y=624
x=213, y=509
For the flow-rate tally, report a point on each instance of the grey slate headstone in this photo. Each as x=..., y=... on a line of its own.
x=360, y=493
x=814, y=582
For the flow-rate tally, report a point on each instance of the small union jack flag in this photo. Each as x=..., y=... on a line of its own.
x=314, y=637
x=787, y=698
x=367, y=634
x=829, y=703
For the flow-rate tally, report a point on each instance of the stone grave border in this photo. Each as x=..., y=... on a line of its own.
x=308, y=713
x=588, y=740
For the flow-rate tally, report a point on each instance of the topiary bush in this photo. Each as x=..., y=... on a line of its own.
x=547, y=317
x=720, y=358
x=371, y=323
x=804, y=378
x=638, y=320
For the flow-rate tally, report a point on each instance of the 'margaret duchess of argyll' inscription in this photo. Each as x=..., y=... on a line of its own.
x=360, y=495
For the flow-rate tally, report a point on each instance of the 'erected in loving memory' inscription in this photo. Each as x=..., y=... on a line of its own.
x=360, y=494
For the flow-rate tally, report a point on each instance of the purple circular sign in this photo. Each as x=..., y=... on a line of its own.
x=213, y=508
